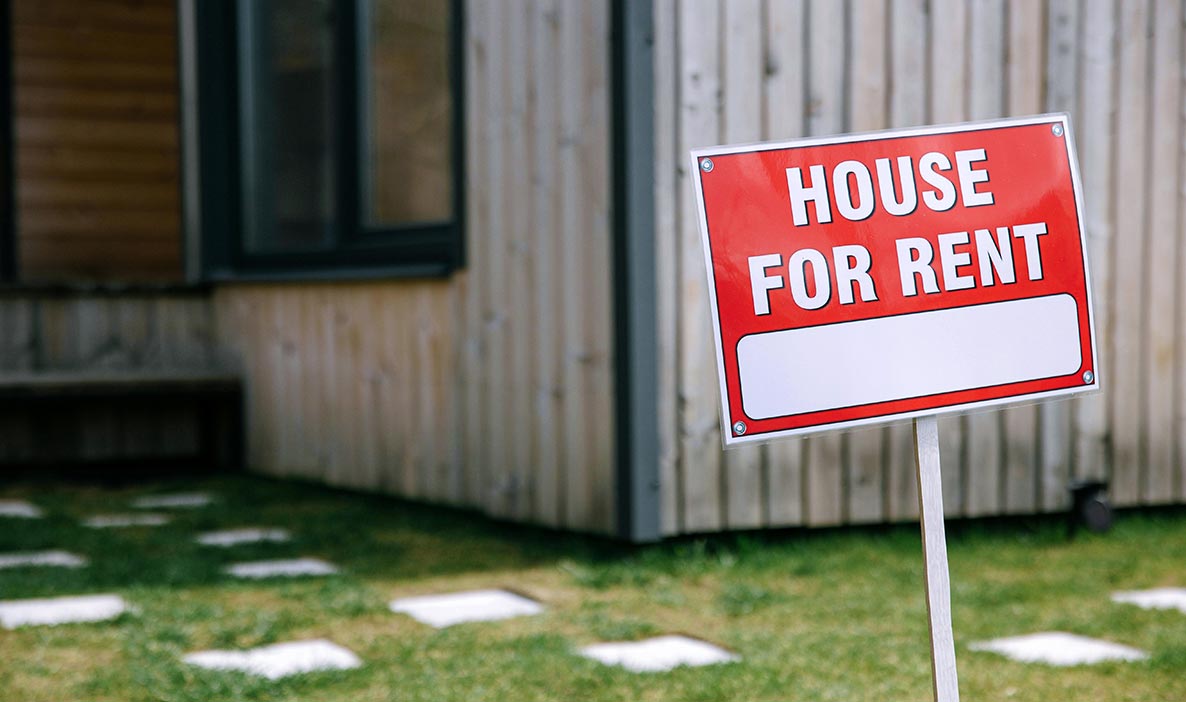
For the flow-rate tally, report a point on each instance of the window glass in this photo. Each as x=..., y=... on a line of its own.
x=407, y=112
x=287, y=143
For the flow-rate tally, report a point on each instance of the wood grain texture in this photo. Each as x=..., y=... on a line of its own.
x=1024, y=80
x=908, y=108
x=47, y=41
x=1110, y=64
x=784, y=117
x=1161, y=275
x=473, y=321
x=668, y=164
x=96, y=140
x=106, y=14
x=868, y=93
x=735, y=72
x=492, y=388
x=1127, y=254
x=1056, y=437
x=741, y=478
x=516, y=180
x=1179, y=381
x=595, y=356
x=548, y=352
x=826, y=114
x=1099, y=47
x=699, y=124
x=498, y=486
x=985, y=90
x=948, y=103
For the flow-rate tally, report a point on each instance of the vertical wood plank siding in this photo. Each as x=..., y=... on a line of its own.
x=827, y=113
x=783, y=68
x=868, y=101
x=491, y=389
x=96, y=139
x=742, y=491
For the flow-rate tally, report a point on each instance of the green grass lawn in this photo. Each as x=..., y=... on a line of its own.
x=831, y=615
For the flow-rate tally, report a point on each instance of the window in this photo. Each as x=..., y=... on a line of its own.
x=407, y=112
x=286, y=121
x=342, y=137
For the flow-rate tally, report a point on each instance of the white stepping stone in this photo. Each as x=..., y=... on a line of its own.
x=235, y=537
x=118, y=521
x=1160, y=598
x=60, y=610
x=282, y=568
x=475, y=606
x=658, y=654
x=182, y=500
x=1059, y=648
x=279, y=660
x=55, y=559
x=19, y=509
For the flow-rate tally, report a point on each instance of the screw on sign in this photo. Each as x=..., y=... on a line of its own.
x=866, y=278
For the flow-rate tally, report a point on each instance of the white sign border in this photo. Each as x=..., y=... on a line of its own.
x=727, y=437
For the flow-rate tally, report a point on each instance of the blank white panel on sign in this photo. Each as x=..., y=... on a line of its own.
x=877, y=360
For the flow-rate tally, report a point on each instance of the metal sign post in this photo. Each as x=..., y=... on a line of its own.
x=934, y=551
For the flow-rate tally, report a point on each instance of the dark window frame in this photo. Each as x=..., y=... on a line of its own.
x=433, y=249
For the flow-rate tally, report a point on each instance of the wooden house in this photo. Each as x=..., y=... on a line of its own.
x=449, y=246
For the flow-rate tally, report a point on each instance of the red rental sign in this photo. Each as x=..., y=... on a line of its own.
x=872, y=277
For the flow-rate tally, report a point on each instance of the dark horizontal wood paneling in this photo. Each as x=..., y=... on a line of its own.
x=125, y=105
x=96, y=139
x=134, y=136
x=149, y=16
x=50, y=42
x=77, y=222
x=139, y=262
x=98, y=70
x=99, y=195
